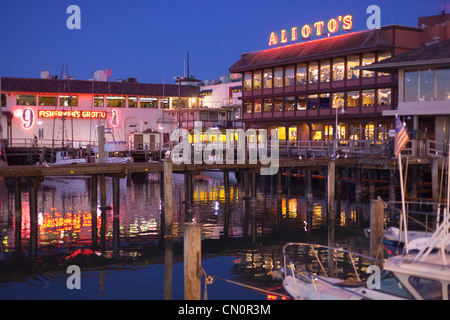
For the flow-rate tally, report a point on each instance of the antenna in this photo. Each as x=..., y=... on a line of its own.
x=187, y=64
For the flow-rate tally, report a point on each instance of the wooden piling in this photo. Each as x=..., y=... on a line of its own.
x=331, y=189
x=94, y=197
x=376, y=228
x=192, y=261
x=34, y=230
x=116, y=215
x=101, y=144
x=18, y=217
x=168, y=206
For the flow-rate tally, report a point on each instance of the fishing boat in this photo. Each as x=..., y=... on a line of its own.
x=115, y=152
x=421, y=276
x=63, y=157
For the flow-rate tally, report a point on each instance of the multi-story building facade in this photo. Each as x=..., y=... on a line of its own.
x=423, y=91
x=310, y=89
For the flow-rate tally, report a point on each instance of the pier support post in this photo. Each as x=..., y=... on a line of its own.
x=376, y=228
x=358, y=185
x=192, y=261
x=309, y=188
x=18, y=218
x=168, y=205
x=94, y=197
x=101, y=144
x=331, y=189
x=34, y=230
x=391, y=185
x=116, y=215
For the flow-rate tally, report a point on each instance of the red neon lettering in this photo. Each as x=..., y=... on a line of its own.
x=348, y=22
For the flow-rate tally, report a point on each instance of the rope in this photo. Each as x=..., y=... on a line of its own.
x=210, y=278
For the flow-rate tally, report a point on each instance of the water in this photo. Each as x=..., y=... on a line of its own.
x=242, y=239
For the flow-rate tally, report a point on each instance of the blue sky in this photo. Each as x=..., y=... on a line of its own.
x=148, y=40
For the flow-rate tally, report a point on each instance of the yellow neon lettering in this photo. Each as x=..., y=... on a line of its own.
x=319, y=26
x=294, y=34
x=306, y=31
x=273, y=39
x=332, y=25
x=283, y=36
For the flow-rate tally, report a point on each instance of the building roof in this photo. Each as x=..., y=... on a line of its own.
x=317, y=49
x=35, y=85
x=435, y=54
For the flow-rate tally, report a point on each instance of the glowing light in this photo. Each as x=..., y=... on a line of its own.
x=77, y=114
x=316, y=29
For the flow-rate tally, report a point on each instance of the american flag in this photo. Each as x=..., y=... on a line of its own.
x=401, y=137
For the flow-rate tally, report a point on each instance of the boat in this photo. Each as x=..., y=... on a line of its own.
x=115, y=152
x=63, y=157
x=421, y=276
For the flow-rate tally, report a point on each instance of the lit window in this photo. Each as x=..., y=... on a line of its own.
x=289, y=77
x=338, y=69
x=257, y=80
x=278, y=81
x=352, y=64
x=338, y=100
x=268, y=78
x=247, y=107
x=278, y=105
x=368, y=98
x=281, y=133
x=353, y=99
x=268, y=105
x=132, y=102
x=99, y=101
x=368, y=59
x=384, y=97
x=301, y=73
x=248, y=81
x=115, y=102
x=301, y=103
x=289, y=103
x=147, y=102
x=325, y=71
x=47, y=100
x=382, y=56
x=26, y=100
x=292, y=133
x=68, y=101
x=313, y=72
x=257, y=106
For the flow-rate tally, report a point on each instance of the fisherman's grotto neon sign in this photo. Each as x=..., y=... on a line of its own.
x=307, y=31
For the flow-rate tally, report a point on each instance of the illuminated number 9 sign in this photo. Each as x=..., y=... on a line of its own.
x=27, y=118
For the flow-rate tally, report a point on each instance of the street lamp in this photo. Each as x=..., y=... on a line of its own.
x=336, y=128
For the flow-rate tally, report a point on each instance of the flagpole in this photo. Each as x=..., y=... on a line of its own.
x=402, y=193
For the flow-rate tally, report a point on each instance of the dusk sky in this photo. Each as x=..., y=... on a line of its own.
x=148, y=40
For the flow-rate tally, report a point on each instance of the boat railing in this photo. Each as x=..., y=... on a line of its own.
x=353, y=270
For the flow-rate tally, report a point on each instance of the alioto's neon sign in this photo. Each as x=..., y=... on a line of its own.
x=310, y=30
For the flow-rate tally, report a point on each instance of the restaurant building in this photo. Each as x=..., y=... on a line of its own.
x=309, y=89
x=69, y=110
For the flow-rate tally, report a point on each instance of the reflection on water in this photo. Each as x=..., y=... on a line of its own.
x=66, y=220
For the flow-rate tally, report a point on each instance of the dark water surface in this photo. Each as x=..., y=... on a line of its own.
x=242, y=238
